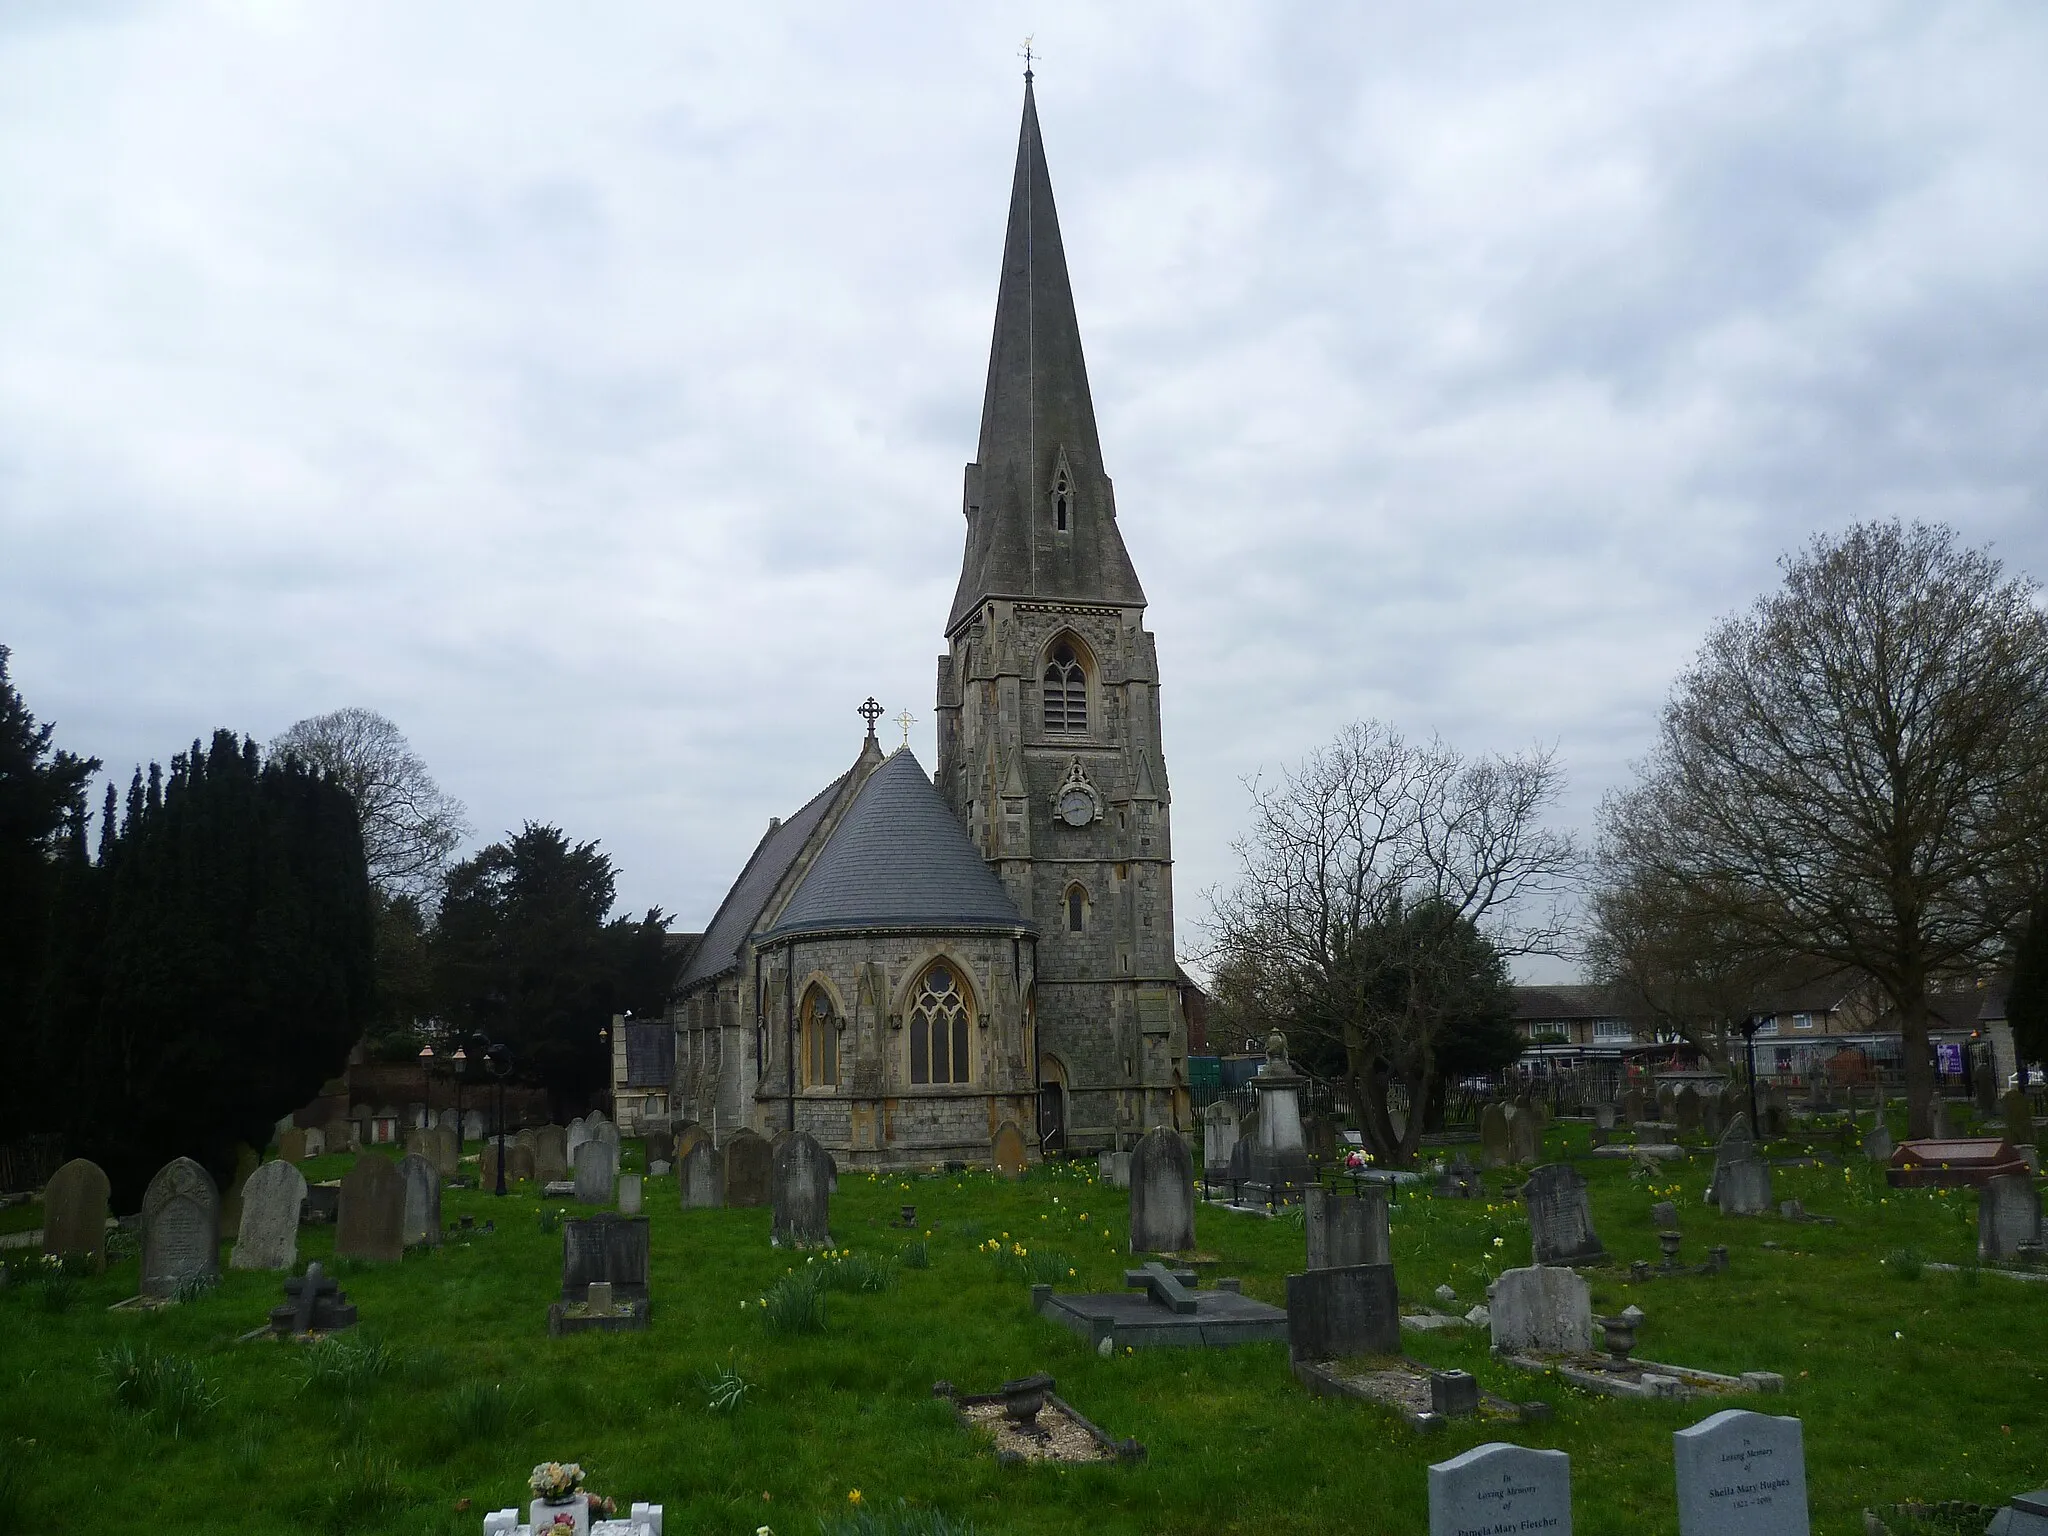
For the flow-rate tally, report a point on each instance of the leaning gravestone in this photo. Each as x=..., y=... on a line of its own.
x=269, y=1235
x=370, y=1224
x=1346, y=1230
x=698, y=1177
x=1496, y=1148
x=75, y=1213
x=1006, y=1149
x=1219, y=1139
x=180, y=1228
x=801, y=1193
x=2008, y=1215
x=1501, y=1490
x=1560, y=1222
x=1162, y=1194
x=1548, y=1311
x=748, y=1167
x=1525, y=1134
x=1741, y=1474
x=597, y=1167
x=422, y=1199
x=1334, y=1313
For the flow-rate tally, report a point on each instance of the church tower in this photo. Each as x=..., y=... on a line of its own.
x=1048, y=709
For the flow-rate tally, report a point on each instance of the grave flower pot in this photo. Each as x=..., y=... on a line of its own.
x=546, y=1515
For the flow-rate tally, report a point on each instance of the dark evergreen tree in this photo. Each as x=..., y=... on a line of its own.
x=2026, y=1000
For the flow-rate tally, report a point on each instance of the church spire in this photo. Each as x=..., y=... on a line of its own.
x=1041, y=521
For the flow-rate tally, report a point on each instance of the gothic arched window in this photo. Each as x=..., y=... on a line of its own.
x=940, y=1012
x=1066, y=689
x=820, y=1041
x=1077, y=909
x=1060, y=498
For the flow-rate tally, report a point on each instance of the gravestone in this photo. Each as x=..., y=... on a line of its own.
x=2019, y=1119
x=1742, y=1185
x=291, y=1146
x=180, y=1228
x=420, y=1140
x=1334, y=1313
x=1162, y=1194
x=1944, y=1128
x=629, y=1194
x=1711, y=1117
x=1114, y=1168
x=442, y=1151
x=1279, y=1155
x=688, y=1134
x=660, y=1147
x=2008, y=1214
x=801, y=1194
x=1663, y=1216
x=75, y=1213
x=1006, y=1149
x=1460, y=1180
x=1546, y=1310
x=247, y=1161
x=422, y=1199
x=473, y=1125
x=1560, y=1221
x=518, y=1162
x=1346, y=1230
x=550, y=1154
x=607, y=1133
x=1525, y=1135
x=370, y=1223
x=487, y=1166
x=1603, y=1116
x=698, y=1177
x=450, y=1122
x=338, y=1136
x=316, y=1142
x=1685, y=1108
x=269, y=1233
x=605, y=1247
x=1634, y=1106
x=1501, y=1490
x=748, y=1169
x=1219, y=1138
x=597, y=1169
x=1741, y=1474
x=313, y=1304
x=2024, y=1514
x=1496, y=1149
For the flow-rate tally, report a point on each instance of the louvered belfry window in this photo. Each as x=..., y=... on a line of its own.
x=1066, y=690
x=938, y=1027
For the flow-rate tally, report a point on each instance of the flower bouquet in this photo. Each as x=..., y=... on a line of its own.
x=560, y=1506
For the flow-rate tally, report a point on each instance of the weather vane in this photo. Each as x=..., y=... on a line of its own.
x=870, y=712
x=906, y=720
x=1027, y=55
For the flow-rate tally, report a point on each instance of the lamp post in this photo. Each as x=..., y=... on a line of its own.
x=498, y=1062
x=461, y=1071
x=1750, y=1026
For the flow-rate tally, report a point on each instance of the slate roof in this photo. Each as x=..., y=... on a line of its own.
x=1568, y=1001
x=719, y=950
x=1037, y=407
x=898, y=860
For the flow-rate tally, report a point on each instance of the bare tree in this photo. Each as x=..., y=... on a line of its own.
x=1376, y=880
x=410, y=826
x=1855, y=773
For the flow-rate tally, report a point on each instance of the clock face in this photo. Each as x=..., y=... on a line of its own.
x=1077, y=807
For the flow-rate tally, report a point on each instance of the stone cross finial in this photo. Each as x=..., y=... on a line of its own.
x=906, y=720
x=870, y=712
x=1027, y=54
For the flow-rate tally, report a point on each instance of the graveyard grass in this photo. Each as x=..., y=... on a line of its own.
x=1913, y=1384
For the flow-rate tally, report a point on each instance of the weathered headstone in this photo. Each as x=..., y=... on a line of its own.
x=422, y=1199
x=1525, y=1135
x=1501, y=1490
x=1635, y=1106
x=1162, y=1193
x=1219, y=1139
x=2008, y=1215
x=316, y=1142
x=442, y=1151
x=1114, y=1168
x=1496, y=1148
x=269, y=1234
x=605, y=1247
x=2019, y=1118
x=1741, y=1474
x=1560, y=1220
x=550, y=1154
x=1685, y=1109
x=180, y=1228
x=1710, y=1116
x=1006, y=1149
x=370, y=1223
x=801, y=1193
x=1663, y=1216
x=1460, y=1180
x=1346, y=1230
x=338, y=1136
x=291, y=1146
x=660, y=1146
x=698, y=1177
x=247, y=1161
x=749, y=1165
x=518, y=1162
x=75, y=1213
x=1352, y=1310
x=1742, y=1185
x=1603, y=1116
x=1546, y=1310
x=629, y=1194
x=473, y=1125
x=313, y=1303
x=597, y=1168
x=450, y=1122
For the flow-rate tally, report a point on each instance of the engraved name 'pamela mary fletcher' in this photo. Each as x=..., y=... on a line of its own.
x=1512, y=1527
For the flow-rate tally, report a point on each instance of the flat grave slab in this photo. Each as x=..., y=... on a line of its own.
x=1427, y=1398
x=1953, y=1164
x=1170, y=1313
x=1027, y=1421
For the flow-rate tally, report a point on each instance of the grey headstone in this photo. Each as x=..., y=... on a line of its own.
x=1114, y=1168
x=1560, y=1220
x=1710, y=1117
x=447, y=1157
x=1496, y=1147
x=269, y=1235
x=316, y=1142
x=1162, y=1194
x=1944, y=1128
x=597, y=1167
x=698, y=1175
x=449, y=1121
x=1548, y=1311
x=1663, y=1216
x=518, y=1162
x=422, y=1199
x=338, y=1136
x=2019, y=1119
x=606, y=1247
x=660, y=1146
x=180, y=1227
x=473, y=1126
x=75, y=1213
x=1525, y=1134
x=2008, y=1214
x=629, y=1194
x=801, y=1193
x=1742, y=1186
x=607, y=1133
x=291, y=1145
x=1635, y=1106
x=2024, y=1514
x=1685, y=1107
x=550, y=1154
x=1333, y=1313
x=749, y=1166
x=1219, y=1137
x=1603, y=1116
x=1878, y=1146
x=1501, y=1490
x=659, y=1169
x=579, y=1133
x=1346, y=1230
x=1741, y=1474
x=371, y=1222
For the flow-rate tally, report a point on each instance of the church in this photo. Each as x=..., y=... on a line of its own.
x=975, y=964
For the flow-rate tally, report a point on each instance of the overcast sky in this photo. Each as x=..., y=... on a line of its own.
x=587, y=387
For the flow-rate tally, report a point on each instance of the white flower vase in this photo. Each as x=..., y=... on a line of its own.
x=543, y=1514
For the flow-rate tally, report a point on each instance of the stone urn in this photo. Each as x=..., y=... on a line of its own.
x=1022, y=1400
x=1621, y=1333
